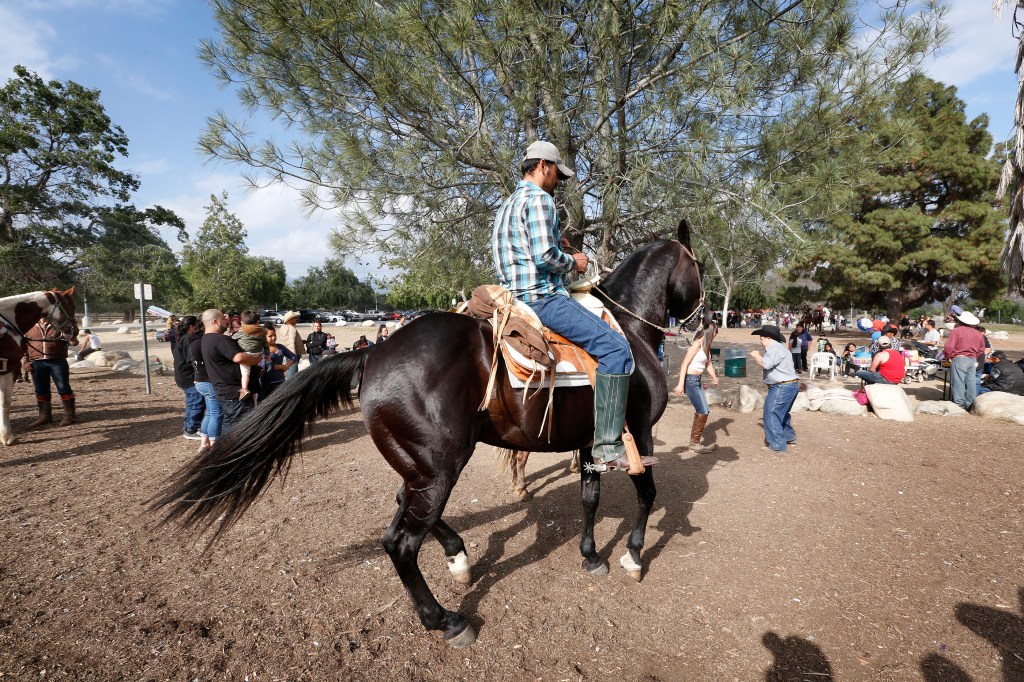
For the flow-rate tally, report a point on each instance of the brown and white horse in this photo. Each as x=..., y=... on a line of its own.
x=17, y=315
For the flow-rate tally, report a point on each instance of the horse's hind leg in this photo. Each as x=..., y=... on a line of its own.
x=6, y=388
x=645, y=493
x=518, y=467
x=590, y=489
x=419, y=510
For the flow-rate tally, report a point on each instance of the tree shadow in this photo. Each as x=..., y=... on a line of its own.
x=796, y=658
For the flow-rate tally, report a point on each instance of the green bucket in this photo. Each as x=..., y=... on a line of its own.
x=736, y=367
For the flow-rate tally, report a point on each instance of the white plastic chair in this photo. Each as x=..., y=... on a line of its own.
x=823, y=361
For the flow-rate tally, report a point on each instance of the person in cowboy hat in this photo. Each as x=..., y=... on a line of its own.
x=288, y=336
x=531, y=262
x=963, y=347
x=783, y=387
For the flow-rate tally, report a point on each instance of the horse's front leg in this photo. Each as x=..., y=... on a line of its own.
x=645, y=493
x=6, y=389
x=590, y=489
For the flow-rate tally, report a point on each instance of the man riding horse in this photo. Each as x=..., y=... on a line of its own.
x=531, y=264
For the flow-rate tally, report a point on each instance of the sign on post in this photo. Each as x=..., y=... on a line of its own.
x=144, y=292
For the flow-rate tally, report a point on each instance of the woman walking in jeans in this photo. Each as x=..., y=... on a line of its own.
x=783, y=386
x=694, y=363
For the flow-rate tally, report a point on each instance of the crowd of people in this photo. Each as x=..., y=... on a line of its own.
x=225, y=364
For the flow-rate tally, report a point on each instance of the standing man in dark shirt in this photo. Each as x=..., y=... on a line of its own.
x=185, y=376
x=316, y=342
x=221, y=357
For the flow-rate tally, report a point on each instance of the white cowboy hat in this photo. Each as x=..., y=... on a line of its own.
x=290, y=315
x=968, y=318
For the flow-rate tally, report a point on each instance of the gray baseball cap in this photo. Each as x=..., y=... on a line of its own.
x=548, y=152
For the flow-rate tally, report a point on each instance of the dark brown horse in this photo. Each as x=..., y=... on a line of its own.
x=17, y=315
x=419, y=395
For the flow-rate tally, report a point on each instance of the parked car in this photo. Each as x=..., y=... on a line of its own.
x=273, y=316
x=351, y=316
x=161, y=334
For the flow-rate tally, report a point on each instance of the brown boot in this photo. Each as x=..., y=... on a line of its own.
x=45, y=413
x=69, y=410
x=699, y=422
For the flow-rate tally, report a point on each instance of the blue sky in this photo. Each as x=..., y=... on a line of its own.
x=141, y=54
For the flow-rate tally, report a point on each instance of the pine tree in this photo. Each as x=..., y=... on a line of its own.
x=924, y=226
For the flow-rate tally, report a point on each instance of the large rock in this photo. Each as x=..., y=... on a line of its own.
x=817, y=397
x=999, y=405
x=842, y=406
x=126, y=365
x=717, y=396
x=888, y=401
x=943, y=408
x=124, y=330
x=802, y=403
x=106, y=359
x=748, y=400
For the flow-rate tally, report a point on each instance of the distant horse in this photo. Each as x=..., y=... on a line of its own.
x=17, y=315
x=813, y=318
x=420, y=394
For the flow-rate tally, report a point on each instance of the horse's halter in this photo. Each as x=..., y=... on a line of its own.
x=67, y=320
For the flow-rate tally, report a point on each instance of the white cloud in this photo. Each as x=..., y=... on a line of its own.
x=150, y=167
x=980, y=45
x=273, y=218
x=23, y=41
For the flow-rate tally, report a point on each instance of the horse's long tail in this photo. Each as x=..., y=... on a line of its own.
x=221, y=483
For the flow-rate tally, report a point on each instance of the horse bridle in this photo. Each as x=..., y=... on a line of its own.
x=696, y=310
x=57, y=306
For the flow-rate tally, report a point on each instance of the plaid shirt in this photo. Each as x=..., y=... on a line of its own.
x=527, y=256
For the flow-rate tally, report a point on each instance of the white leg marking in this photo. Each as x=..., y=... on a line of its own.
x=459, y=567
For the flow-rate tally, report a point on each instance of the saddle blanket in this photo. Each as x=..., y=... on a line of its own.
x=566, y=373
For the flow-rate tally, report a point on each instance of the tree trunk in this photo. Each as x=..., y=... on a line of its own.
x=725, y=305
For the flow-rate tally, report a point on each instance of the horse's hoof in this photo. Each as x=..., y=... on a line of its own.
x=458, y=566
x=463, y=639
x=633, y=569
x=598, y=571
x=520, y=494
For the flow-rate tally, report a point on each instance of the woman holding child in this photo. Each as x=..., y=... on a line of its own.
x=280, y=359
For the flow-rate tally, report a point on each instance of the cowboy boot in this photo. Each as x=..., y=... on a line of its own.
x=45, y=413
x=609, y=415
x=696, y=431
x=69, y=410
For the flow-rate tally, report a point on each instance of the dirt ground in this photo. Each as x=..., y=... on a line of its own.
x=875, y=551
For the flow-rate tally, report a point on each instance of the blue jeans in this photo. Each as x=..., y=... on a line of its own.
x=313, y=359
x=234, y=411
x=292, y=371
x=568, y=317
x=778, y=424
x=194, y=409
x=962, y=376
x=210, y=426
x=871, y=377
x=44, y=370
x=695, y=392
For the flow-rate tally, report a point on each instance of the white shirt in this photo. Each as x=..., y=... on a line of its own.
x=931, y=337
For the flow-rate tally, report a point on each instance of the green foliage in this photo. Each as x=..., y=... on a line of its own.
x=923, y=226
x=57, y=154
x=130, y=250
x=219, y=270
x=411, y=117
x=331, y=287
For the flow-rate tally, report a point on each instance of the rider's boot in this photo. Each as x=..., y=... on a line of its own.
x=69, y=409
x=609, y=416
x=45, y=413
x=700, y=421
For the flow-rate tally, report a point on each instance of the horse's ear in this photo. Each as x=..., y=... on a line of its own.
x=70, y=293
x=683, y=233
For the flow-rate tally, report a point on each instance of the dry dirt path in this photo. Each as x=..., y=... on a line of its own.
x=876, y=551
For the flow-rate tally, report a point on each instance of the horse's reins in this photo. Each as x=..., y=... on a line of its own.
x=664, y=330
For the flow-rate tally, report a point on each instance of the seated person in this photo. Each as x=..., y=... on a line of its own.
x=847, y=358
x=887, y=366
x=1004, y=376
x=362, y=342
